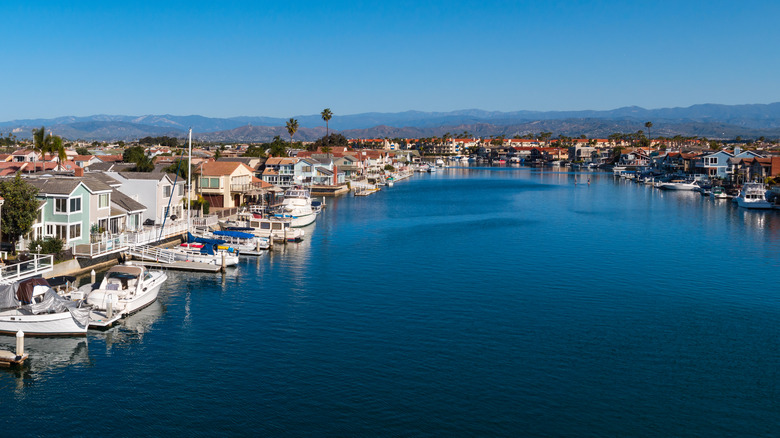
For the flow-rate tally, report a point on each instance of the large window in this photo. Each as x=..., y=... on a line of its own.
x=167, y=191
x=103, y=201
x=181, y=189
x=75, y=205
x=214, y=183
x=75, y=231
x=54, y=230
x=60, y=205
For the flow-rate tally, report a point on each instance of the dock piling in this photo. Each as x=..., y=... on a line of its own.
x=20, y=343
x=92, y=275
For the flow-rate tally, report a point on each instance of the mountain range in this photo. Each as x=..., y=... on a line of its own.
x=706, y=120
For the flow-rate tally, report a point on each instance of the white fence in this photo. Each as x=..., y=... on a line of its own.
x=39, y=264
x=152, y=234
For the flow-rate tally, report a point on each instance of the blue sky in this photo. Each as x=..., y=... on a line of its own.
x=286, y=58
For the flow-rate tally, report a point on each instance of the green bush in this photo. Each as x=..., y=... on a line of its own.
x=48, y=245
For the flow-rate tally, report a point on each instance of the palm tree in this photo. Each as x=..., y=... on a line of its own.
x=292, y=127
x=326, y=115
x=648, y=125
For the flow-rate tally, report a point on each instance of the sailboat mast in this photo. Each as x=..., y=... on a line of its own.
x=189, y=181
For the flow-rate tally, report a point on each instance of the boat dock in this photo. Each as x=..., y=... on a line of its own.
x=181, y=266
x=9, y=358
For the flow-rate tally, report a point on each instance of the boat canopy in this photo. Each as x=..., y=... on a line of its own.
x=208, y=244
x=235, y=234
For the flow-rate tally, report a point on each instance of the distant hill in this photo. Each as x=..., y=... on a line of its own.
x=710, y=120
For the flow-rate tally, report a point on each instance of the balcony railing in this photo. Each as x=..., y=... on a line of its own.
x=40, y=264
x=103, y=246
x=246, y=187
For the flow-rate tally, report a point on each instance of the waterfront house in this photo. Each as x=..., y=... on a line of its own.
x=160, y=193
x=714, y=165
x=70, y=207
x=227, y=184
x=280, y=171
x=349, y=165
x=25, y=156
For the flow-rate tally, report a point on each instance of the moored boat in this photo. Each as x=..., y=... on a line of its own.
x=33, y=307
x=753, y=196
x=125, y=289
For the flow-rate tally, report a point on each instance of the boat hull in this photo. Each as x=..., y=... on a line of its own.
x=57, y=324
x=754, y=205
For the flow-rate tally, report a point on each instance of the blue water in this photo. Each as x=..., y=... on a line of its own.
x=467, y=302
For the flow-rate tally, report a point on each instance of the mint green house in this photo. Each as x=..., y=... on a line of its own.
x=69, y=207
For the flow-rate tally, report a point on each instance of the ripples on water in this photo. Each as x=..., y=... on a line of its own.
x=467, y=302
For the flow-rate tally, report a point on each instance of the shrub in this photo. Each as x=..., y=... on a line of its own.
x=48, y=245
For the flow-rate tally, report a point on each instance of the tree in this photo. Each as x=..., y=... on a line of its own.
x=292, y=127
x=144, y=164
x=648, y=125
x=277, y=148
x=20, y=209
x=82, y=151
x=326, y=114
x=133, y=154
x=330, y=141
x=180, y=167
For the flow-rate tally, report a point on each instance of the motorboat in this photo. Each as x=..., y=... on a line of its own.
x=125, y=289
x=36, y=309
x=678, y=185
x=297, y=207
x=718, y=192
x=245, y=243
x=753, y=196
x=205, y=250
x=278, y=229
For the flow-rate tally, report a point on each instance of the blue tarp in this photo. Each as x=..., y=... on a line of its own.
x=208, y=244
x=236, y=234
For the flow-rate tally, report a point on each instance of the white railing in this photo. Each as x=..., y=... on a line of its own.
x=152, y=234
x=39, y=264
x=207, y=221
x=104, y=246
x=151, y=253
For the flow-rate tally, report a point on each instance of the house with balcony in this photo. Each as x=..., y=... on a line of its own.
x=69, y=208
x=160, y=193
x=227, y=184
x=280, y=171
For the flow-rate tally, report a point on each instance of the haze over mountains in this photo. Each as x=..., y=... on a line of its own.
x=706, y=120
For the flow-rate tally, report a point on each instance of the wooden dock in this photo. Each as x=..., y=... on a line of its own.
x=8, y=358
x=181, y=266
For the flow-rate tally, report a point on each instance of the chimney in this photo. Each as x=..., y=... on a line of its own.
x=78, y=172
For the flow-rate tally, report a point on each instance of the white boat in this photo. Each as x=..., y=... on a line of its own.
x=753, y=196
x=278, y=229
x=33, y=307
x=678, y=185
x=125, y=289
x=297, y=207
x=718, y=192
x=209, y=253
x=439, y=163
x=245, y=243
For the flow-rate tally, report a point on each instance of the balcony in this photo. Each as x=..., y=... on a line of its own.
x=251, y=188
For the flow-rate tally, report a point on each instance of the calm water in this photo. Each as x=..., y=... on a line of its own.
x=467, y=302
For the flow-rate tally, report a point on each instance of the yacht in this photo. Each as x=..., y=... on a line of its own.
x=209, y=251
x=278, y=229
x=33, y=307
x=125, y=289
x=678, y=185
x=245, y=243
x=297, y=207
x=753, y=196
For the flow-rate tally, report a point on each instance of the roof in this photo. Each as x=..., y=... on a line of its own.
x=143, y=175
x=221, y=168
x=54, y=186
x=325, y=171
x=125, y=202
x=104, y=177
x=280, y=160
x=109, y=158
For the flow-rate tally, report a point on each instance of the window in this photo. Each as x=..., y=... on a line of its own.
x=214, y=183
x=75, y=205
x=181, y=189
x=166, y=191
x=75, y=231
x=103, y=201
x=306, y=168
x=60, y=232
x=60, y=205
x=204, y=182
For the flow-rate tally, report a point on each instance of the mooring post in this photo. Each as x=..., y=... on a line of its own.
x=92, y=274
x=224, y=263
x=110, y=306
x=20, y=343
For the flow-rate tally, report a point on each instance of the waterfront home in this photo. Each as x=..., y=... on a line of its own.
x=280, y=171
x=69, y=207
x=349, y=165
x=160, y=193
x=227, y=184
x=714, y=165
